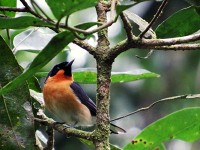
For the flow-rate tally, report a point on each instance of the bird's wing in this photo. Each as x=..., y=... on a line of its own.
x=84, y=98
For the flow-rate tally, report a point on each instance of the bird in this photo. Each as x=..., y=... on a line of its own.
x=66, y=99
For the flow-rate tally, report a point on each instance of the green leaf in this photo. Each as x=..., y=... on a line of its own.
x=182, y=125
x=88, y=75
x=16, y=126
x=56, y=44
x=21, y=22
x=61, y=8
x=197, y=8
x=34, y=84
x=138, y=74
x=31, y=51
x=182, y=23
x=160, y=147
x=8, y=3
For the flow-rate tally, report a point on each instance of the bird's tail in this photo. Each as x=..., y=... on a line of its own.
x=116, y=129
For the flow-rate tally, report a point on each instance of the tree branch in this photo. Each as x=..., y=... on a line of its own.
x=179, y=47
x=50, y=142
x=127, y=27
x=28, y=8
x=34, y=4
x=2, y=8
x=86, y=32
x=85, y=46
x=168, y=41
x=158, y=13
x=43, y=119
x=178, y=43
x=186, y=96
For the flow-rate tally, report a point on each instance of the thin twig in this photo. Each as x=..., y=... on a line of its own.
x=112, y=9
x=127, y=26
x=29, y=9
x=158, y=13
x=85, y=46
x=34, y=7
x=168, y=41
x=35, y=4
x=187, y=96
x=105, y=25
x=2, y=8
x=86, y=32
x=147, y=56
x=179, y=47
x=43, y=119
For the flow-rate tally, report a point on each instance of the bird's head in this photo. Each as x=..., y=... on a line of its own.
x=66, y=67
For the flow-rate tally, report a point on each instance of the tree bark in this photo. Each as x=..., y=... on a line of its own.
x=104, y=66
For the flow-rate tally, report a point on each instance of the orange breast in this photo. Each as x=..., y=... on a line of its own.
x=60, y=99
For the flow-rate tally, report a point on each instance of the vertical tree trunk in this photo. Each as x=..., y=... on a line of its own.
x=104, y=66
x=103, y=98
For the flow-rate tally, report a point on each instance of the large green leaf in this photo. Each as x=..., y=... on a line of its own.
x=182, y=125
x=88, y=75
x=61, y=8
x=56, y=44
x=8, y=3
x=182, y=23
x=16, y=128
x=21, y=22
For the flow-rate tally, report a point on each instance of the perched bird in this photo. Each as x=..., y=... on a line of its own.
x=67, y=100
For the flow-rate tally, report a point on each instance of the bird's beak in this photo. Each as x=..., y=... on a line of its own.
x=68, y=68
x=70, y=63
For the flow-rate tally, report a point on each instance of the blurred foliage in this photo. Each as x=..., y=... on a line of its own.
x=16, y=126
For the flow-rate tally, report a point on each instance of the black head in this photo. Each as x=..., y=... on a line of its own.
x=66, y=66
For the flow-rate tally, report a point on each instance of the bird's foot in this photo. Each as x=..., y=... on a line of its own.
x=63, y=123
x=66, y=125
